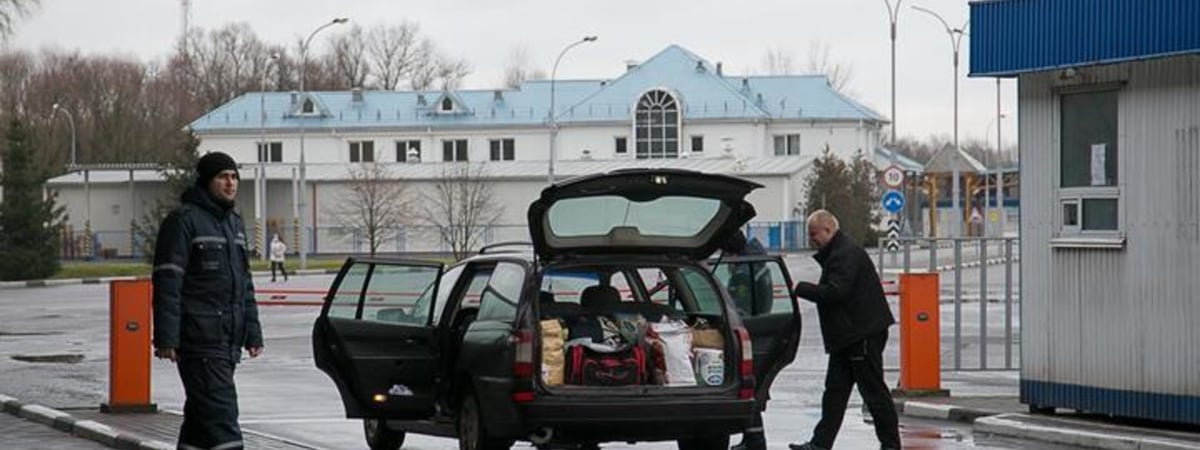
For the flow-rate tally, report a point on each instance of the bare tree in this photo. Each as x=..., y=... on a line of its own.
x=440, y=72
x=461, y=207
x=348, y=57
x=10, y=12
x=394, y=52
x=224, y=63
x=376, y=204
x=777, y=61
x=819, y=62
x=518, y=70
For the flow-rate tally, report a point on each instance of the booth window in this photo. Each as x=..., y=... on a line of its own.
x=1089, y=194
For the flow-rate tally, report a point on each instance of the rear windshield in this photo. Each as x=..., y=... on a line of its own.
x=668, y=216
x=674, y=290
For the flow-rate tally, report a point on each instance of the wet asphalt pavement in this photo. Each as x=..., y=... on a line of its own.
x=284, y=396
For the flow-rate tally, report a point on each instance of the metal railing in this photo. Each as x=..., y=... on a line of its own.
x=967, y=255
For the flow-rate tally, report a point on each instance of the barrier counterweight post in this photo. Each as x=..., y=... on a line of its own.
x=129, y=348
x=920, y=336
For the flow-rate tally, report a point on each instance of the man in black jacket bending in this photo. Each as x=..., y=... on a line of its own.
x=854, y=325
x=204, y=309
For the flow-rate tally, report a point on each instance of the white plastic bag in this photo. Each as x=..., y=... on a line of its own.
x=672, y=342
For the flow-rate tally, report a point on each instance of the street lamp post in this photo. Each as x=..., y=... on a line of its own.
x=554, y=120
x=87, y=191
x=260, y=181
x=303, y=207
x=893, y=15
x=956, y=35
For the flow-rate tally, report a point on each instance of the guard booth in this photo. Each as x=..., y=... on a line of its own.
x=1109, y=131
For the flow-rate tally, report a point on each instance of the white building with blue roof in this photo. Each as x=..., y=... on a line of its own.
x=675, y=109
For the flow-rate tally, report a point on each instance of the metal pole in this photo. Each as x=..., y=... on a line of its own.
x=1000, y=170
x=87, y=222
x=295, y=211
x=957, y=304
x=303, y=118
x=983, y=301
x=132, y=216
x=958, y=215
x=260, y=172
x=933, y=247
x=893, y=15
x=1008, y=302
x=553, y=121
x=955, y=35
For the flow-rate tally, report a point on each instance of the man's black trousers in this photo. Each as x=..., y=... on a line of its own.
x=860, y=363
x=210, y=413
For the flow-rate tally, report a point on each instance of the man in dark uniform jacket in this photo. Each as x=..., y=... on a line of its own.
x=854, y=319
x=204, y=309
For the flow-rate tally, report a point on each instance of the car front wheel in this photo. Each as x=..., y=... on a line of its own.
x=471, y=433
x=380, y=437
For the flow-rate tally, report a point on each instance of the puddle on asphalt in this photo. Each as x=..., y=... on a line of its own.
x=68, y=358
x=28, y=333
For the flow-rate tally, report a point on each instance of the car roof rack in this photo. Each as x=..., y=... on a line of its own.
x=493, y=248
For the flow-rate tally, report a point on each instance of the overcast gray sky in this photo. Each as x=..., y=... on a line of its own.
x=737, y=33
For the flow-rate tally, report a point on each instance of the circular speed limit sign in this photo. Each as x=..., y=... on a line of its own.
x=893, y=177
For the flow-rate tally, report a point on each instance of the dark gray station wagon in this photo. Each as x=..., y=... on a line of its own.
x=613, y=325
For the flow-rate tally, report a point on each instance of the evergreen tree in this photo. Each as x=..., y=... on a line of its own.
x=30, y=222
x=848, y=191
x=179, y=173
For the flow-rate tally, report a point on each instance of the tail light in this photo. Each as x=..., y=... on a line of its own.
x=523, y=368
x=746, y=365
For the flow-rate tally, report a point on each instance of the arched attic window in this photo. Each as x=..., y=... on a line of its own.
x=447, y=104
x=307, y=107
x=656, y=125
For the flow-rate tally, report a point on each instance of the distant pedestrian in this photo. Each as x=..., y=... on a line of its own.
x=278, y=252
x=204, y=309
x=854, y=318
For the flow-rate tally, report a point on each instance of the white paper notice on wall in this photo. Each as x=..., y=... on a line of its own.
x=1099, y=152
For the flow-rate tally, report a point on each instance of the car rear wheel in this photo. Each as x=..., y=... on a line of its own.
x=380, y=437
x=471, y=433
x=705, y=443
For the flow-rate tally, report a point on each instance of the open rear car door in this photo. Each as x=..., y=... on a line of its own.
x=375, y=341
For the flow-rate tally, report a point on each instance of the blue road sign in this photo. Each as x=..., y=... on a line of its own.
x=893, y=201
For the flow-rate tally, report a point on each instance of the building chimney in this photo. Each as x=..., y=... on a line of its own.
x=356, y=95
x=630, y=64
x=420, y=99
x=700, y=67
x=498, y=96
x=720, y=70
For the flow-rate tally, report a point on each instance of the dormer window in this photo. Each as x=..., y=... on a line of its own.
x=308, y=106
x=447, y=105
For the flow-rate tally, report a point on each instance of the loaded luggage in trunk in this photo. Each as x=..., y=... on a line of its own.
x=608, y=326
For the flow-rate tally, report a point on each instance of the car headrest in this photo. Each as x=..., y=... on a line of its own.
x=599, y=297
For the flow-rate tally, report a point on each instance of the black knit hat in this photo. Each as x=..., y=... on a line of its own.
x=212, y=164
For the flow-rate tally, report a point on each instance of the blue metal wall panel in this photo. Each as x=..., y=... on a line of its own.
x=1009, y=37
x=1133, y=404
